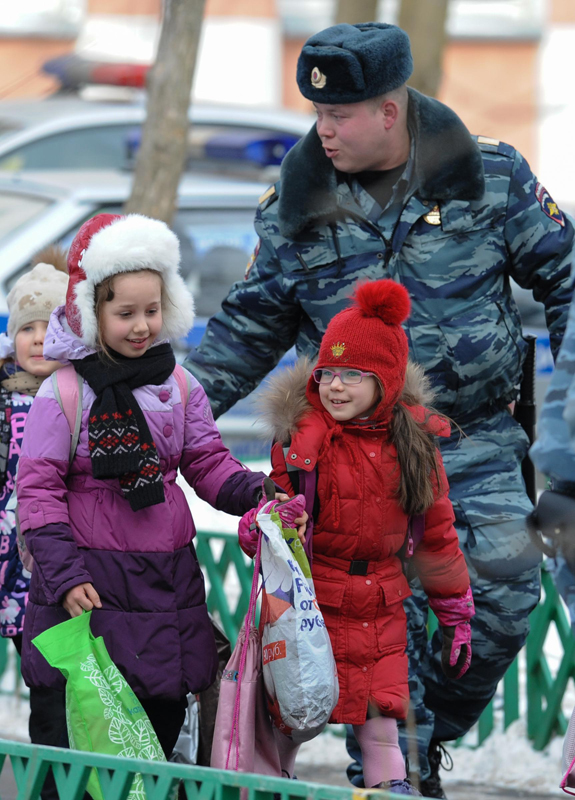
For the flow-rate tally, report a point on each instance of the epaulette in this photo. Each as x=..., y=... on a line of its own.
x=269, y=196
x=488, y=145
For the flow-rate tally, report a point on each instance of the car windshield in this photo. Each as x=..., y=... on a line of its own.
x=16, y=210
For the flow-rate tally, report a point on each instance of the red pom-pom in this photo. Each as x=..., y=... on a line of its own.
x=385, y=299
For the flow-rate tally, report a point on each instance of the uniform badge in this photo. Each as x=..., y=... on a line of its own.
x=337, y=349
x=548, y=206
x=318, y=79
x=433, y=217
x=253, y=257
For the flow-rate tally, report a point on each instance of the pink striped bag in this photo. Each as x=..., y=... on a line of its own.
x=243, y=736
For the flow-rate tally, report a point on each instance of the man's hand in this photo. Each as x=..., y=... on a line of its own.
x=554, y=517
x=81, y=598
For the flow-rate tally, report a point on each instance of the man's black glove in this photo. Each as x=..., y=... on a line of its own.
x=554, y=518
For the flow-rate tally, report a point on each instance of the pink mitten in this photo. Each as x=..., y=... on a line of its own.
x=289, y=511
x=453, y=614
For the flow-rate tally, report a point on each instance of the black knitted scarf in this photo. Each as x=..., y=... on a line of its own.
x=120, y=442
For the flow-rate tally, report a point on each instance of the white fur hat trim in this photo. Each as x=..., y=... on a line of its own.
x=130, y=244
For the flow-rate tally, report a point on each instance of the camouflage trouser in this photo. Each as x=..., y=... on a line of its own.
x=490, y=505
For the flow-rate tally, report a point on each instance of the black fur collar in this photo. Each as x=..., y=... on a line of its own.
x=448, y=166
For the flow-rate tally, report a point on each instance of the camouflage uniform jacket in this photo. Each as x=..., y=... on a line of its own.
x=473, y=217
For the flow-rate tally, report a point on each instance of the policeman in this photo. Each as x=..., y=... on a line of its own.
x=554, y=454
x=389, y=183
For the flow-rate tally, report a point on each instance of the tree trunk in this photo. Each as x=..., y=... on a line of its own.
x=354, y=11
x=164, y=145
x=425, y=23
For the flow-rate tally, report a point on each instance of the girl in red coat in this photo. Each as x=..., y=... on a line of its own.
x=359, y=420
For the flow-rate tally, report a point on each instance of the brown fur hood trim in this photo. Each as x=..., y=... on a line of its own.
x=282, y=403
x=52, y=254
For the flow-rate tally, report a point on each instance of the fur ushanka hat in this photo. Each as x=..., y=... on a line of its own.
x=368, y=336
x=351, y=63
x=111, y=244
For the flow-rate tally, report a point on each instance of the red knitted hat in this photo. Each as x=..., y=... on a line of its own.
x=368, y=336
x=110, y=244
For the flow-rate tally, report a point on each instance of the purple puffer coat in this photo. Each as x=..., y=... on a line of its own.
x=143, y=564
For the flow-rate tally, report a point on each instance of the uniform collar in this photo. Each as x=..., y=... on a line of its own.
x=447, y=165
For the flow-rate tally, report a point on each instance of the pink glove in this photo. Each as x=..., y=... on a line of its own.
x=289, y=511
x=453, y=614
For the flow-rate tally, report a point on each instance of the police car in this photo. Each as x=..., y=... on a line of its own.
x=82, y=128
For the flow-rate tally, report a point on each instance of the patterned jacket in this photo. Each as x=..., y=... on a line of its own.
x=473, y=217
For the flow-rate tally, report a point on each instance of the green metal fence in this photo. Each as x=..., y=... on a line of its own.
x=71, y=770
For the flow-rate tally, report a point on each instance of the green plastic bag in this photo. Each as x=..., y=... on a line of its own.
x=103, y=713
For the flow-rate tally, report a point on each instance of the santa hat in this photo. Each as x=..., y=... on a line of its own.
x=110, y=244
x=368, y=336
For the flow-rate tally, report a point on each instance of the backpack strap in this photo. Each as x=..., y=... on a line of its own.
x=304, y=482
x=182, y=377
x=68, y=390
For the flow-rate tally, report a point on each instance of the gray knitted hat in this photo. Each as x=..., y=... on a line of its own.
x=34, y=296
x=351, y=63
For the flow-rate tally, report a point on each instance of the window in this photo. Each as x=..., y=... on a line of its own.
x=103, y=147
x=16, y=210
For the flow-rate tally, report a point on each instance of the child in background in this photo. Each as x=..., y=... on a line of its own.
x=365, y=430
x=112, y=531
x=30, y=302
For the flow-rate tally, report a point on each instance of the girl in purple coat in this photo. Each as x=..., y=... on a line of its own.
x=111, y=530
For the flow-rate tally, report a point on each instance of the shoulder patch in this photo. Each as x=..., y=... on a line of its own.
x=487, y=140
x=267, y=194
x=548, y=206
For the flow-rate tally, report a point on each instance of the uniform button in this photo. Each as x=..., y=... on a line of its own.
x=372, y=455
x=293, y=456
x=368, y=582
x=307, y=461
x=365, y=624
x=364, y=669
x=168, y=430
x=380, y=255
x=164, y=396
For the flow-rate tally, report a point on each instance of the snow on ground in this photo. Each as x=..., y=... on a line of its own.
x=505, y=759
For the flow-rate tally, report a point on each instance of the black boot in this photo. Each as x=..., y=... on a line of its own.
x=431, y=786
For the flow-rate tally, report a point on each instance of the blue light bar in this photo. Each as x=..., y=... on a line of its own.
x=258, y=147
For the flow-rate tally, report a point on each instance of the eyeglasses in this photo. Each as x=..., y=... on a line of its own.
x=350, y=377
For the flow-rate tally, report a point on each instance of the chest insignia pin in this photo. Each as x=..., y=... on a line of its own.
x=433, y=217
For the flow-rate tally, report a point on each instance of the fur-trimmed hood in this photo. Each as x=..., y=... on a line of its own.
x=448, y=166
x=283, y=402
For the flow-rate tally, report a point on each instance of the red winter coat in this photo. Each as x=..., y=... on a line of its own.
x=360, y=520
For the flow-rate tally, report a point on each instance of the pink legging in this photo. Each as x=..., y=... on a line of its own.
x=382, y=757
x=379, y=742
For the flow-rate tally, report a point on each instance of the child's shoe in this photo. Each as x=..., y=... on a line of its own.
x=399, y=787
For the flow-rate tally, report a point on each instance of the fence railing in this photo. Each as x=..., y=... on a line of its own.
x=71, y=770
x=537, y=690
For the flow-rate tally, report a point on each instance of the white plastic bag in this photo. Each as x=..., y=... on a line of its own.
x=299, y=669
